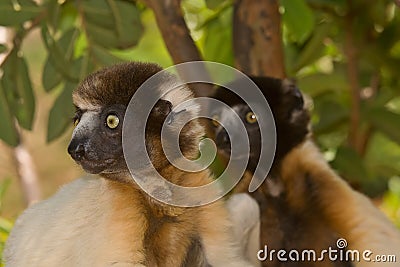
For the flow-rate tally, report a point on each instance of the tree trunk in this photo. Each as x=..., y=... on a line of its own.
x=351, y=52
x=257, y=38
x=177, y=38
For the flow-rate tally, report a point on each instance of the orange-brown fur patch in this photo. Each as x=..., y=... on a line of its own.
x=326, y=208
x=159, y=234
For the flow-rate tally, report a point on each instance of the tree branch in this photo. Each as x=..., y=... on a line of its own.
x=177, y=38
x=174, y=30
x=257, y=38
x=27, y=174
x=368, y=132
x=350, y=51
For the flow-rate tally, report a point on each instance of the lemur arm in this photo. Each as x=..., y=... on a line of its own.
x=351, y=214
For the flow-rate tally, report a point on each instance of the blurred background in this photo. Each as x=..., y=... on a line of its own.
x=344, y=55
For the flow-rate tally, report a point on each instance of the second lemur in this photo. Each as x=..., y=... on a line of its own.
x=303, y=203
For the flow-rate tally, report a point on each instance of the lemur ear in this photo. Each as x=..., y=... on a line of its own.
x=161, y=109
x=296, y=97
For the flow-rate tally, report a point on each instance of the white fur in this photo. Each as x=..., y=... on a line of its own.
x=179, y=94
x=72, y=222
x=87, y=122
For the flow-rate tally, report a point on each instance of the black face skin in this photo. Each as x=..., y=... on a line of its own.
x=249, y=120
x=97, y=139
x=95, y=145
x=287, y=105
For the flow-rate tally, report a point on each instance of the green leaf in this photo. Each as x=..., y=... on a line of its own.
x=104, y=56
x=214, y=4
x=320, y=83
x=68, y=16
x=17, y=85
x=3, y=188
x=378, y=13
x=50, y=77
x=313, y=49
x=98, y=12
x=128, y=23
x=53, y=14
x=216, y=48
x=61, y=52
x=61, y=113
x=17, y=12
x=350, y=165
x=330, y=114
x=67, y=42
x=382, y=156
x=102, y=36
x=5, y=225
x=386, y=122
x=112, y=24
x=81, y=67
x=333, y=4
x=394, y=185
x=8, y=133
x=3, y=48
x=298, y=18
x=389, y=36
x=151, y=47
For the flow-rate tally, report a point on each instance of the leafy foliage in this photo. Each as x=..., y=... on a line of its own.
x=316, y=36
x=295, y=11
x=7, y=128
x=82, y=36
x=20, y=100
x=391, y=200
x=13, y=12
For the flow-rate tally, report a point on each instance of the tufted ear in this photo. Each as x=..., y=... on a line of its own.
x=161, y=110
x=292, y=95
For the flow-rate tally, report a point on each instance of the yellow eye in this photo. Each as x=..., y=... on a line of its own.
x=112, y=121
x=215, y=119
x=251, y=117
x=76, y=121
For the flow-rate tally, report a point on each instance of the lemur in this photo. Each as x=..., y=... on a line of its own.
x=303, y=203
x=106, y=219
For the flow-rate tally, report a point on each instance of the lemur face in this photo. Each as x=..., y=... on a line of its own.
x=97, y=139
x=101, y=100
x=249, y=119
x=287, y=106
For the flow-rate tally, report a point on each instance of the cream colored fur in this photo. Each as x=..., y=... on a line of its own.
x=97, y=222
x=77, y=221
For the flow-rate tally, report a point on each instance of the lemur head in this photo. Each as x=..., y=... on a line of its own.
x=287, y=105
x=101, y=100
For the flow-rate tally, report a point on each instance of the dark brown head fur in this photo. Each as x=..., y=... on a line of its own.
x=97, y=147
x=115, y=84
x=287, y=106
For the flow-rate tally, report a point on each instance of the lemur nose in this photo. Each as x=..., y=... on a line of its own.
x=76, y=150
